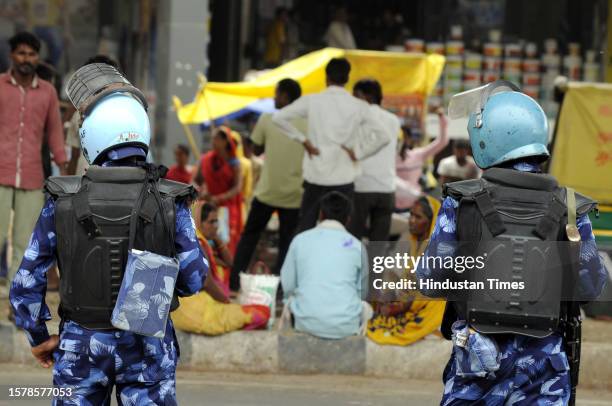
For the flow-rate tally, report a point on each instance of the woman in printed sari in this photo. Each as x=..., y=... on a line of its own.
x=222, y=180
x=407, y=320
x=210, y=312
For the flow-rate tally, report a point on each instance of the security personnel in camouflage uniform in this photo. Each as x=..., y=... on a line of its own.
x=512, y=353
x=84, y=226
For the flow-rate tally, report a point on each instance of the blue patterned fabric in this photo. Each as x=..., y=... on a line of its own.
x=146, y=292
x=92, y=362
x=476, y=355
x=532, y=371
x=27, y=294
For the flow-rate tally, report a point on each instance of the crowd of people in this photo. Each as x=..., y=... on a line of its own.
x=333, y=169
x=337, y=170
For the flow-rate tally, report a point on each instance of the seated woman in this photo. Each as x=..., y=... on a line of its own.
x=406, y=321
x=210, y=311
x=208, y=234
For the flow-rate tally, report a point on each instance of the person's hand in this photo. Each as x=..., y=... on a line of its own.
x=63, y=169
x=43, y=352
x=310, y=149
x=350, y=153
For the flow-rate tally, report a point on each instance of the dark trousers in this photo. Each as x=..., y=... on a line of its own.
x=311, y=205
x=378, y=207
x=259, y=215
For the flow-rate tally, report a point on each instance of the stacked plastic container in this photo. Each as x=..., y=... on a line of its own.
x=590, y=69
x=518, y=62
x=438, y=93
x=492, y=60
x=551, y=68
x=453, y=71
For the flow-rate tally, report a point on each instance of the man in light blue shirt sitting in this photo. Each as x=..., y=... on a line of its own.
x=323, y=277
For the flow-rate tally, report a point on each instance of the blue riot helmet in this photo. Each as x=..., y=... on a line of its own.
x=115, y=124
x=504, y=123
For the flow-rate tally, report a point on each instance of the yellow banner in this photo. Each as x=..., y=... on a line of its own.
x=608, y=65
x=398, y=73
x=582, y=157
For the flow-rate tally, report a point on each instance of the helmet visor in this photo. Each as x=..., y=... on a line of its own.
x=472, y=101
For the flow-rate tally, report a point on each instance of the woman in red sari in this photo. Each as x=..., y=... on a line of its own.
x=220, y=170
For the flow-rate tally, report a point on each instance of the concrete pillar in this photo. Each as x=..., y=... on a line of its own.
x=182, y=41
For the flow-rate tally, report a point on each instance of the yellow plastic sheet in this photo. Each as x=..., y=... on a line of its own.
x=399, y=73
x=582, y=156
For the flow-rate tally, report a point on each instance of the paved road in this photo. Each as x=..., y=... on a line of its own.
x=202, y=388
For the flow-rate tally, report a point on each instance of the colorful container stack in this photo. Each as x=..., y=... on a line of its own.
x=518, y=62
x=453, y=71
x=551, y=68
x=513, y=63
x=590, y=69
x=472, y=76
x=437, y=95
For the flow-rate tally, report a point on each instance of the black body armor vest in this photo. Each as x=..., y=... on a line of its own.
x=514, y=218
x=92, y=220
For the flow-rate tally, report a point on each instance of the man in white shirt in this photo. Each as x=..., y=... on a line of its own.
x=342, y=130
x=459, y=166
x=375, y=188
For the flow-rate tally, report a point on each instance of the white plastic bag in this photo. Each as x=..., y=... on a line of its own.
x=259, y=290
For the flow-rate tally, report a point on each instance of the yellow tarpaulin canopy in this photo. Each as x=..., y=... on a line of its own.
x=582, y=156
x=399, y=73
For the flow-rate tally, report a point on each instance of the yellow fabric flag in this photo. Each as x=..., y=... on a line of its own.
x=582, y=156
x=399, y=74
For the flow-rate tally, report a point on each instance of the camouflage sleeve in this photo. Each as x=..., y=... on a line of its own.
x=442, y=242
x=27, y=295
x=593, y=275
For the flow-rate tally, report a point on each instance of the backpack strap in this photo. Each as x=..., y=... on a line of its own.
x=545, y=229
x=490, y=215
x=83, y=213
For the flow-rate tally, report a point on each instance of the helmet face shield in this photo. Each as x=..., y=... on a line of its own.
x=472, y=101
x=465, y=103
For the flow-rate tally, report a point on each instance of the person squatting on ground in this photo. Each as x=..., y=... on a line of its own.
x=280, y=185
x=342, y=130
x=519, y=351
x=402, y=318
x=210, y=312
x=324, y=291
x=93, y=225
x=220, y=258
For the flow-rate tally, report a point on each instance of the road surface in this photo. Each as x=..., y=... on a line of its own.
x=232, y=389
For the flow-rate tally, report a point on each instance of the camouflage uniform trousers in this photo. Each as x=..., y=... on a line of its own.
x=531, y=372
x=91, y=362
